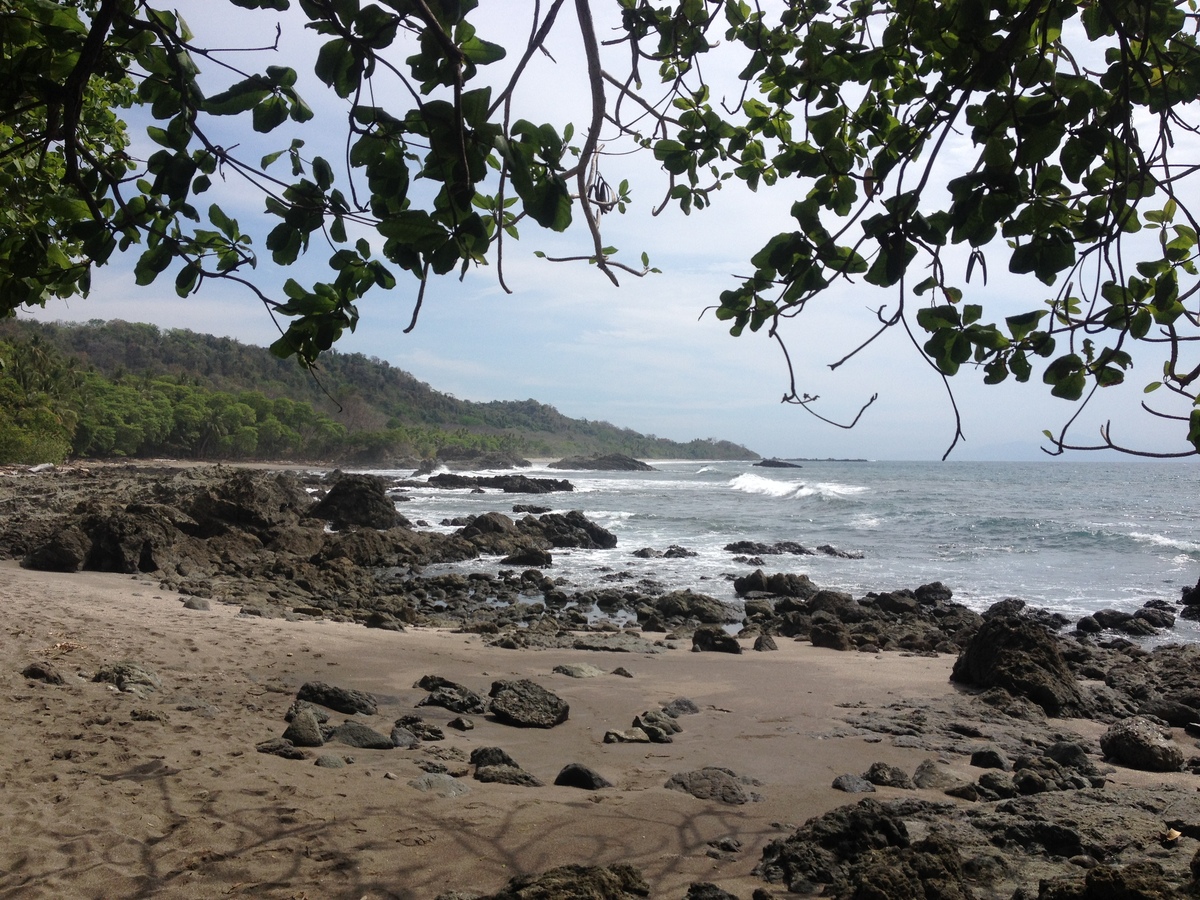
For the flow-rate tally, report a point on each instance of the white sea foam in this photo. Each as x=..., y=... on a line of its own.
x=1159, y=540
x=770, y=487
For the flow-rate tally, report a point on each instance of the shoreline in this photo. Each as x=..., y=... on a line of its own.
x=159, y=790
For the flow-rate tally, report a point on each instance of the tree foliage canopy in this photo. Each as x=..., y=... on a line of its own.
x=924, y=142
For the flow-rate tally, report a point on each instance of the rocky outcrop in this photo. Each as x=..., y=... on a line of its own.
x=780, y=548
x=1024, y=658
x=865, y=851
x=1141, y=743
x=615, y=882
x=610, y=462
x=714, y=639
x=508, y=484
x=357, y=500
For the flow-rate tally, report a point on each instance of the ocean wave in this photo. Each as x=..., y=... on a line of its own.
x=1160, y=540
x=770, y=487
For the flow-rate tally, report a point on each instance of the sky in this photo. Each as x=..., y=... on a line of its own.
x=645, y=355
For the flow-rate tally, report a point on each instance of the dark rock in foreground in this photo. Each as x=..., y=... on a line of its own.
x=357, y=500
x=865, y=851
x=343, y=700
x=713, y=639
x=713, y=783
x=1141, y=743
x=449, y=695
x=1011, y=652
x=577, y=775
x=363, y=737
x=615, y=882
x=777, y=464
x=40, y=670
x=526, y=704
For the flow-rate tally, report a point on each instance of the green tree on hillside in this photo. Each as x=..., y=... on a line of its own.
x=1040, y=136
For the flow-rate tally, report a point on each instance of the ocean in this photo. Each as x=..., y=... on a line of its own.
x=1071, y=537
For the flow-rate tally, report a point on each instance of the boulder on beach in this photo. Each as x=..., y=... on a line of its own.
x=714, y=783
x=357, y=500
x=343, y=700
x=1141, y=743
x=1023, y=658
x=577, y=775
x=525, y=704
x=714, y=639
x=449, y=695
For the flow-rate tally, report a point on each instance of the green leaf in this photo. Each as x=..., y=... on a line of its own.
x=1021, y=326
x=1066, y=375
x=270, y=114
x=482, y=52
x=337, y=66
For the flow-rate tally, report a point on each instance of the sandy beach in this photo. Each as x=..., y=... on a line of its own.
x=165, y=788
x=119, y=795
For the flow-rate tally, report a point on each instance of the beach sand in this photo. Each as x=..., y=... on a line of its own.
x=118, y=795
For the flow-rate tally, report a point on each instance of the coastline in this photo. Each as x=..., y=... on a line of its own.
x=160, y=792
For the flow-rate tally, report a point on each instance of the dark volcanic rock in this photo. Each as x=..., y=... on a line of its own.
x=492, y=756
x=777, y=464
x=829, y=633
x=1013, y=653
x=885, y=775
x=250, y=502
x=712, y=638
x=570, y=529
x=853, y=784
x=507, y=775
x=865, y=851
x=449, y=695
x=530, y=556
x=782, y=584
x=527, y=705
x=689, y=605
x=356, y=734
x=129, y=677
x=1142, y=880
x=615, y=882
x=40, y=670
x=578, y=775
x=1140, y=743
x=765, y=642
x=509, y=484
x=611, y=462
x=357, y=500
x=304, y=730
x=65, y=551
x=343, y=700
x=712, y=783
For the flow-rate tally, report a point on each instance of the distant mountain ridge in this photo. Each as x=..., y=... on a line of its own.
x=384, y=411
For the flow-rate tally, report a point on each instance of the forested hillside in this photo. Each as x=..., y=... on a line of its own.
x=120, y=389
